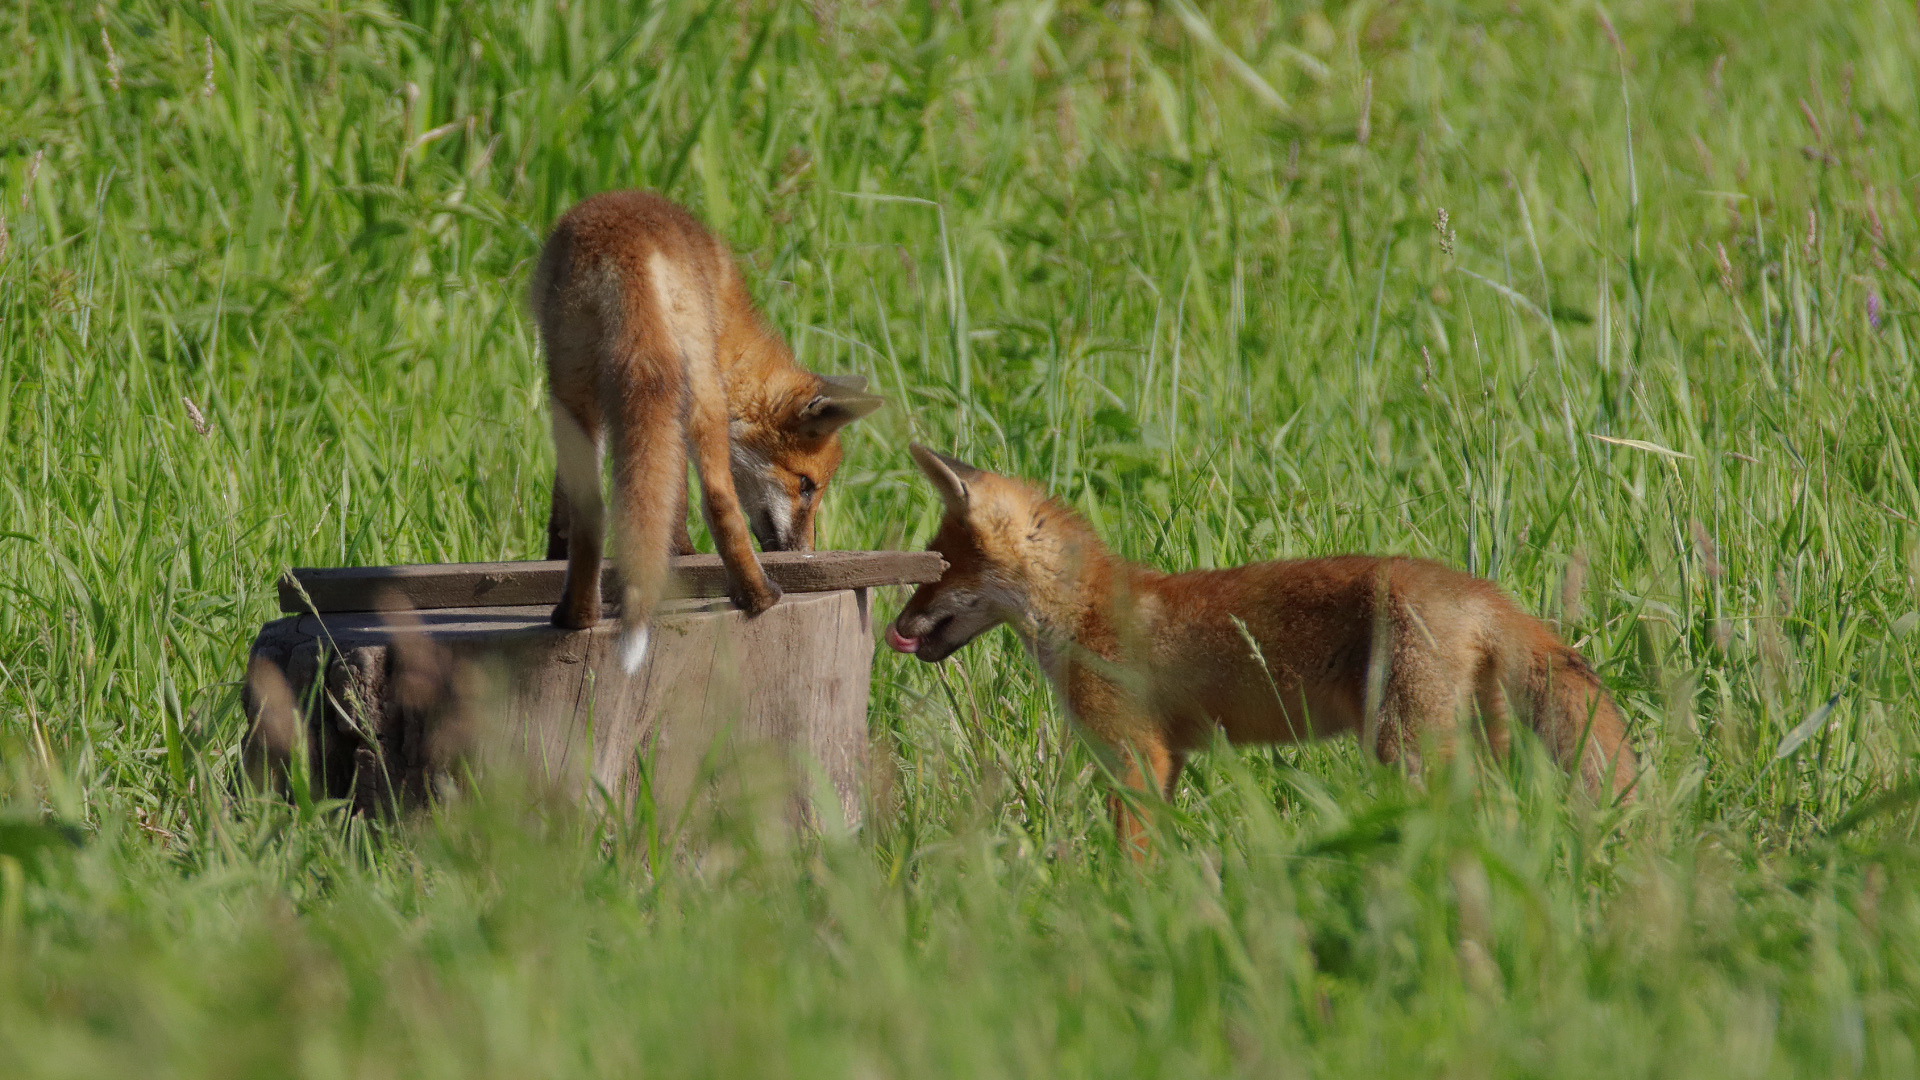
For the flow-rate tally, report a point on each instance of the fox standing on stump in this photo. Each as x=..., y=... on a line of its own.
x=1395, y=649
x=653, y=345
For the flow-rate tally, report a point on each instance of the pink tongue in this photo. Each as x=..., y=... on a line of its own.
x=898, y=643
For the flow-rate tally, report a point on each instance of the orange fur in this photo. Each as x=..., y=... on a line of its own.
x=1397, y=650
x=654, y=346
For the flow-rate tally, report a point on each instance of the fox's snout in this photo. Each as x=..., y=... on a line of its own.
x=779, y=518
x=899, y=643
x=766, y=529
x=934, y=625
x=914, y=632
x=973, y=595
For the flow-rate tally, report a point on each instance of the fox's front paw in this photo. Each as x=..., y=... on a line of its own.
x=754, y=601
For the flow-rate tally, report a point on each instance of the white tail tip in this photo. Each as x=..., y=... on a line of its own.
x=633, y=648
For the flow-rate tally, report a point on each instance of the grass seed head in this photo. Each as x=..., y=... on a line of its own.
x=194, y=417
x=1813, y=122
x=1067, y=127
x=1703, y=546
x=113, y=58
x=1364, y=130
x=1705, y=155
x=1571, y=587
x=1613, y=36
x=1866, y=907
x=823, y=18
x=33, y=173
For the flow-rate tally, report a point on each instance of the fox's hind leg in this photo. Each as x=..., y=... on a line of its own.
x=1428, y=695
x=682, y=540
x=1490, y=693
x=577, y=524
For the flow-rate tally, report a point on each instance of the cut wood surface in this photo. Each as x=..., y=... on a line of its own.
x=399, y=703
x=498, y=584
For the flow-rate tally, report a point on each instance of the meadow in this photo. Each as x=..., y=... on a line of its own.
x=1613, y=303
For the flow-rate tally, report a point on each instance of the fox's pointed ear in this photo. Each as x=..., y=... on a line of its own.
x=949, y=476
x=834, y=407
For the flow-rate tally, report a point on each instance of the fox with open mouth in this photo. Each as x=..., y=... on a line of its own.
x=1398, y=650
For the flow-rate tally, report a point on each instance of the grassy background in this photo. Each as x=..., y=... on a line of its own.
x=1184, y=268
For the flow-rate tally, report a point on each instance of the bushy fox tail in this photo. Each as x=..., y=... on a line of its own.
x=1574, y=715
x=661, y=348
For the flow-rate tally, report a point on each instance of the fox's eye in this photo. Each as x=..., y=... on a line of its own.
x=807, y=487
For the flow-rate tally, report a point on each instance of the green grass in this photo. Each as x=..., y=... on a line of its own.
x=1181, y=268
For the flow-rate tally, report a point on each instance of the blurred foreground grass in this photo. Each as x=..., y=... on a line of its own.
x=1187, y=268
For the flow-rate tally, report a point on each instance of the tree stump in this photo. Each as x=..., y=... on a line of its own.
x=392, y=677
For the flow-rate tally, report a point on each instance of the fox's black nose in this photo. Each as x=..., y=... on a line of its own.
x=763, y=531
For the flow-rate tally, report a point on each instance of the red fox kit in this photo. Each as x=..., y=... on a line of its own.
x=1149, y=663
x=654, y=346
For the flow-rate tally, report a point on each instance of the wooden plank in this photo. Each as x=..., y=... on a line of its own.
x=401, y=715
x=505, y=584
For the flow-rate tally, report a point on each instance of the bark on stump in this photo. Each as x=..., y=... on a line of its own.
x=400, y=675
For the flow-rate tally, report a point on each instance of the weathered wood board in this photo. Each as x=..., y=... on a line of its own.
x=505, y=584
x=394, y=701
